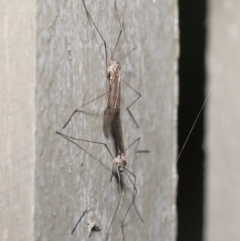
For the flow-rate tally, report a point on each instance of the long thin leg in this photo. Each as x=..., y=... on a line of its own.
x=119, y=201
x=119, y=35
x=78, y=109
x=134, y=48
x=128, y=108
x=136, y=150
x=69, y=138
x=79, y=221
x=122, y=28
x=116, y=11
x=133, y=199
x=105, y=45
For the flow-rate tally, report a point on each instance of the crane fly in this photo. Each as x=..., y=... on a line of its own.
x=118, y=165
x=112, y=119
x=113, y=69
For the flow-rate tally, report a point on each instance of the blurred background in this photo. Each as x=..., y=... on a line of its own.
x=208, y=198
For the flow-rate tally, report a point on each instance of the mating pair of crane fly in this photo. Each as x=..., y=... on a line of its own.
x=112, y=120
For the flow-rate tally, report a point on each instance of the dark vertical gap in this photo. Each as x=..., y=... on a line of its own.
x=190, y=199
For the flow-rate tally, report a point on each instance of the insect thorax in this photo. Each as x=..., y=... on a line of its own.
x=121, y=162
x=113, y=70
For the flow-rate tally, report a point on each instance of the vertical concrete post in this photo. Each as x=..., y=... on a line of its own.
x=56, y=63
x=17, y=121
x=222, y=214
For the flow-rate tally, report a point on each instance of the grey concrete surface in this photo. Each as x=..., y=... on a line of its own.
x=17, y=119
x=68, y=69
x=222, y=213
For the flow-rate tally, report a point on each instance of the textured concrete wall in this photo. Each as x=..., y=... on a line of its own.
x=70, y=70
x=223, y=117
x=17, y=119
